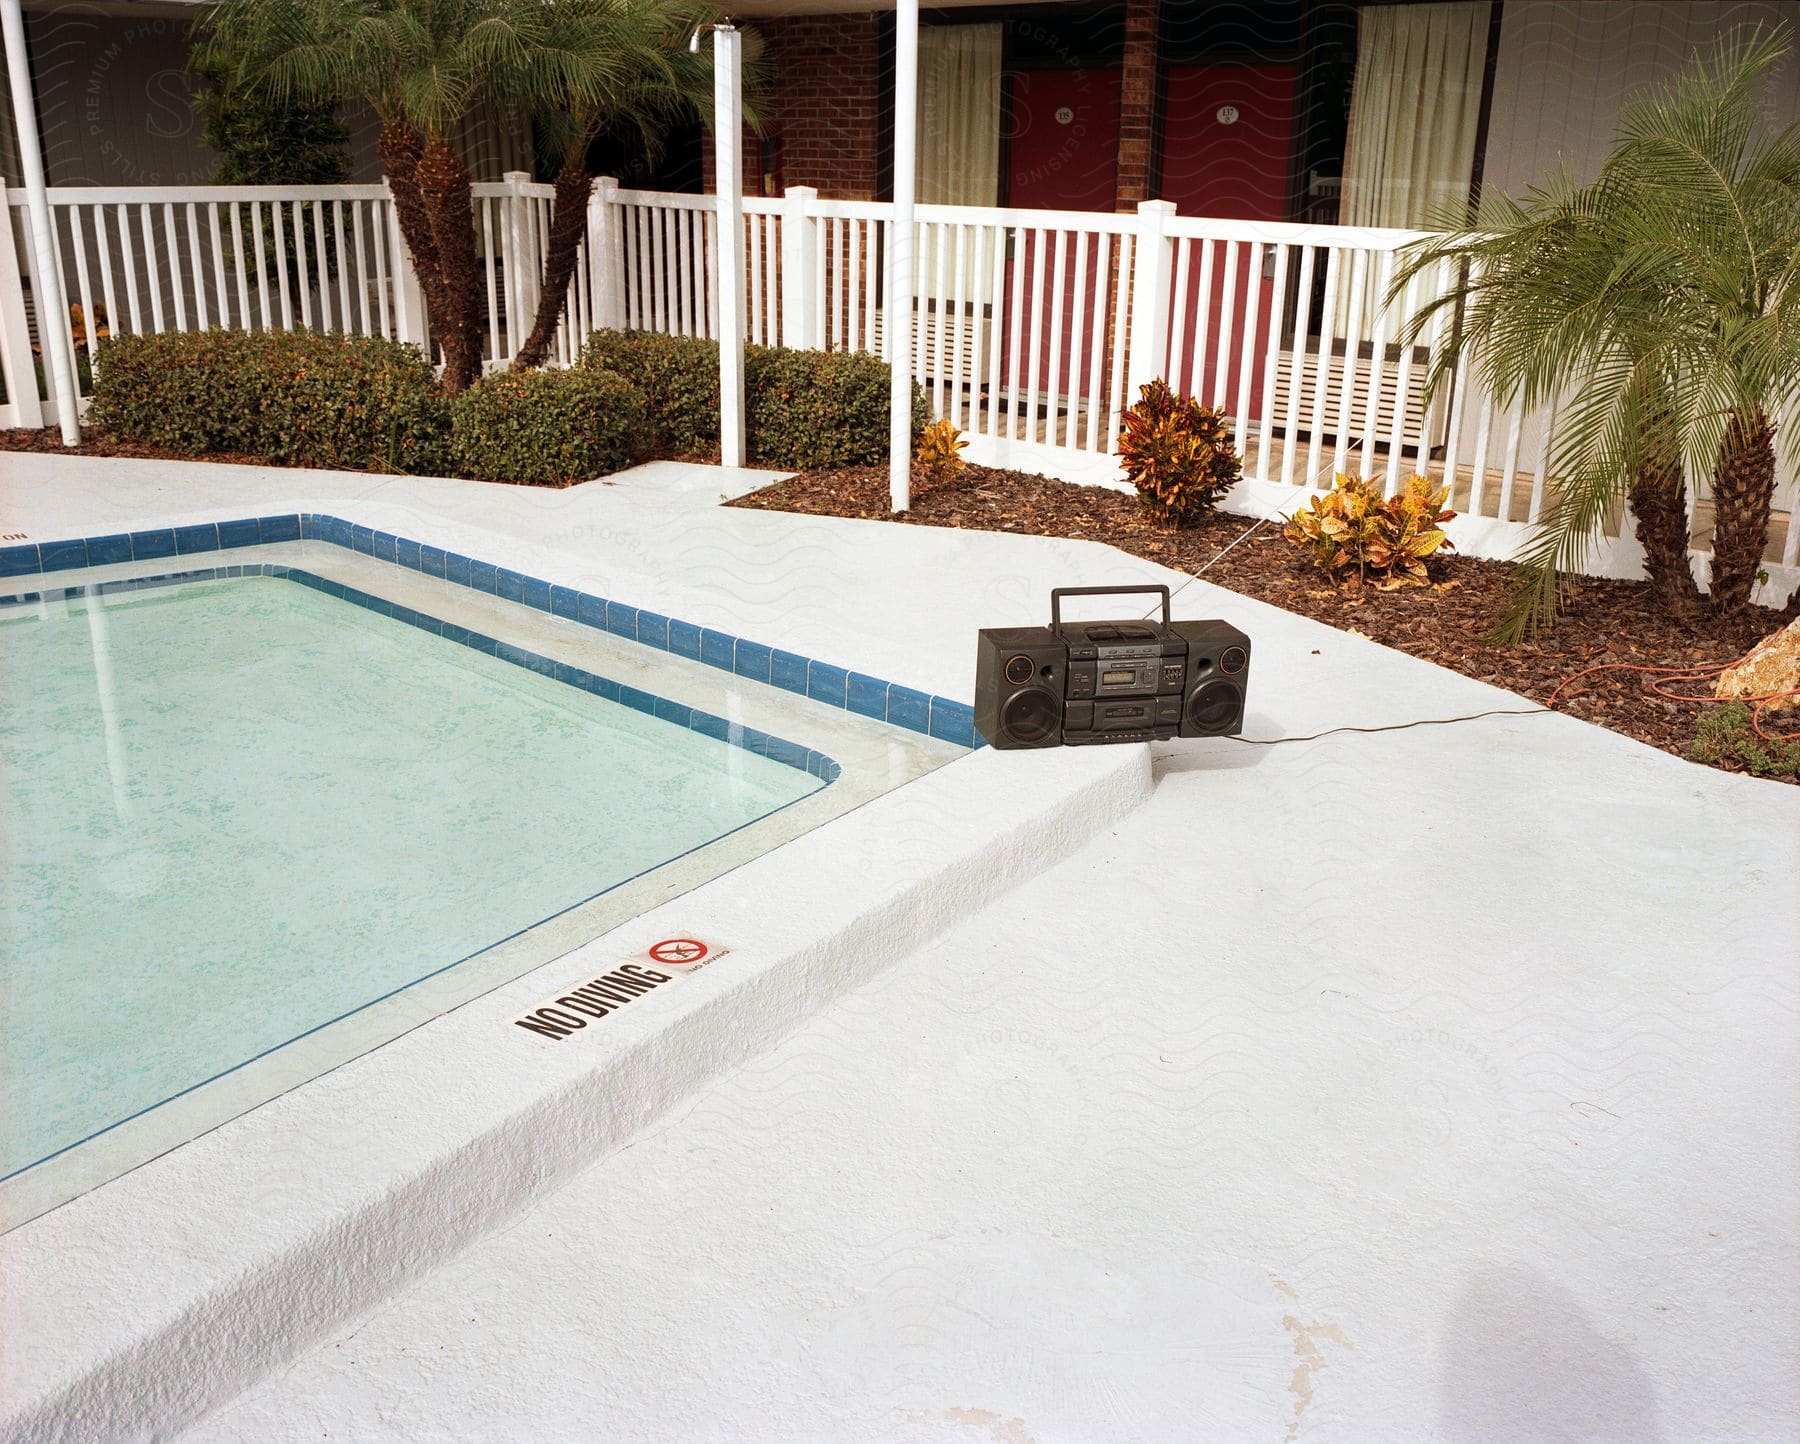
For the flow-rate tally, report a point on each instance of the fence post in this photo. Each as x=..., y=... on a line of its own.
x=603, y=243
x=799, y=259
x=1151, y=263
x=15, y=331
x=410, y=321
x=524, y=258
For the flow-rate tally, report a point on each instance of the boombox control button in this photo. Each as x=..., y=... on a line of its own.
x=1171, y=673
x=1168, y=709
x=1081, y=681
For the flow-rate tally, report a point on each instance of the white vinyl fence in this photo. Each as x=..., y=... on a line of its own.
x=1032, y=329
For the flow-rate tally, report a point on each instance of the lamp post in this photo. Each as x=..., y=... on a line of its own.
x=46, y=284
x=900, y=252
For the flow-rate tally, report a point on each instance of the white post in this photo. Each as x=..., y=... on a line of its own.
x=15, y=330
x=46, y=286
x=800, y=328
x=899, y=328
x=728, y=143
x=1150, y=267
x=603, y=241
x=410, y=322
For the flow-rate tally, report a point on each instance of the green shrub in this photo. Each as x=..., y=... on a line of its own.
x=295, y=398
x=820, y=408
x=1177, y=453
x=1725, y=738
x=548, y=428
x=679, y=379
x=1356, y=534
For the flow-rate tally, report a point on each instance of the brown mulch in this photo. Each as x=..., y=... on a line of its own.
x=98, y=443
x=1606, y=621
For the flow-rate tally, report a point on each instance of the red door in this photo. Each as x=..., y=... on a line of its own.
x=1061, y=137
x=1227, y=152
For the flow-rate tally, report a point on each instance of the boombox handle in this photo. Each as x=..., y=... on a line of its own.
x=1058, y=593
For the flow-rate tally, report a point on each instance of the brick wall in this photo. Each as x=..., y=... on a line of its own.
x=1137, y=103
x=821, y=100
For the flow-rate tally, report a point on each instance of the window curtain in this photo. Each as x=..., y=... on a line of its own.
x=958, y=141
x=1413, y=112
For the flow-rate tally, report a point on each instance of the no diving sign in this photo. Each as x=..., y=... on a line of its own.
x=659, y=964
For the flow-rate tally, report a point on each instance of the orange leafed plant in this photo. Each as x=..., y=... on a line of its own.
x=78, y=328
x=1178, y=454
x=939, y=453
x=1356, y=534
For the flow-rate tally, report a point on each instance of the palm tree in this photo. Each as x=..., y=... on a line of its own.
x=619, y=67
x=1662, y=301
x=421, y=65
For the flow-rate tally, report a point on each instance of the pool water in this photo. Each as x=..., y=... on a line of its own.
x=238, y=810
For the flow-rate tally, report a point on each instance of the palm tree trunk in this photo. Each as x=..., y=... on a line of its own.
x=450, y=209
x=400, y=149
x=568, y=224
x=1743, y=489
x=1658, y=502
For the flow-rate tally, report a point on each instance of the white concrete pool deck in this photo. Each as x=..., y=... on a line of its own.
x=1432, y=1084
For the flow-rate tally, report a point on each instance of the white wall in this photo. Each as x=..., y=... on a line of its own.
x=1566, y=68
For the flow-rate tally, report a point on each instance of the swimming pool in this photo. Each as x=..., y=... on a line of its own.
x=271, y=811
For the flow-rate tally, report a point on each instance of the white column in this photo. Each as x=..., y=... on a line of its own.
x=410, y=321
x=800, y=328
x=728, y=142
x=603, y=243
x=46, y=286
x=15, y=330
x=899, y=328
x=1150, y=267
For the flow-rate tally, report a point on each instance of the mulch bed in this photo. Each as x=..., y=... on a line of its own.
x=1606, y=621
x=99, y=443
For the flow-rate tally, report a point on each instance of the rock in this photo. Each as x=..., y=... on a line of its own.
x=1773, y=665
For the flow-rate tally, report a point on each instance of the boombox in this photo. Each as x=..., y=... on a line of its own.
x=1135, y=681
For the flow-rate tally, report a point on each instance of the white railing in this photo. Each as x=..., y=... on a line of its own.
x=1032, y=329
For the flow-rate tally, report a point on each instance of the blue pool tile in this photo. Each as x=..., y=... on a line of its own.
x=18, y=561
x=621, y=620
x=483, y=576
x=543, y=666
x=537, y=594
x=779, y=749
x=507, y=652
x=684, y=639
x=453, y=633
x=711, y=726
x=753, y=741
x=362, y=539
x=335, y=530
x=147, y=545
x=309, y=525
x=278, y=528
x=431, y=561
x=909, y=709
x=564, y=673
x=952, y=722
x=456, y=568
x=511, y=585
x=607, y=688
x=653, y=630
x=825, y=683
x=563, y=601
x=752, y=660
x=788, y=672
x=386, y=546
x=675, y=712
x=60, y=555
x=239, y=533
x=867, y=696
x=196, y=539
x=104, y=550
x=406, y=554
x=590, y=610
x=716, y=649
x=482, y=642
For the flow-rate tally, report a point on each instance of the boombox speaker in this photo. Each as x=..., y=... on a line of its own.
x=1121, y=681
